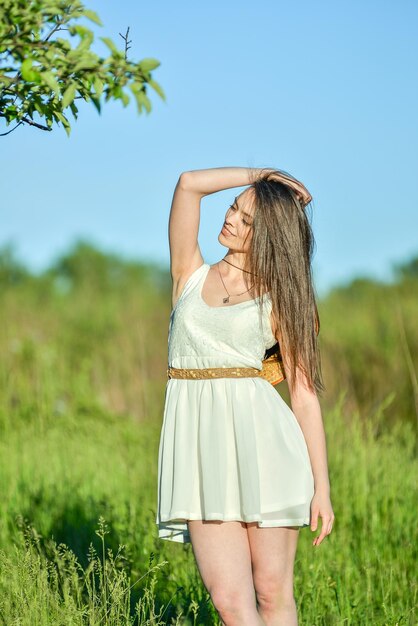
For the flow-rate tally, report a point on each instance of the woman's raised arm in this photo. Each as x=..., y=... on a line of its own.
x=192, y=186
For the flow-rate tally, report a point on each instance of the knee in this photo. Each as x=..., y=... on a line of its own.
x=274, y=593
x=231, y=605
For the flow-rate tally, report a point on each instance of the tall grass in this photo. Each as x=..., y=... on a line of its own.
x=82, y=388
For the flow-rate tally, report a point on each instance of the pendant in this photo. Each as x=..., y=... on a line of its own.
x=226, y=299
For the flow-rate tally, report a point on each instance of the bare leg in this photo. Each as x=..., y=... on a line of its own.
x=273, y=553
x=223, y=557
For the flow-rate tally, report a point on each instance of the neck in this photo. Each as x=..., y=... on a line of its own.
x=236, y=258
x=234, y=264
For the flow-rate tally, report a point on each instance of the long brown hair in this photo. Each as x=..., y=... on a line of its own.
x=279, y=257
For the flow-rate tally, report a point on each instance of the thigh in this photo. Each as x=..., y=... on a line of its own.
x=223, y=556
x=273, y=553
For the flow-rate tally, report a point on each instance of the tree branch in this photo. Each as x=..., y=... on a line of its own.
x=10, y=131
x=32, y=123
x=125, y=38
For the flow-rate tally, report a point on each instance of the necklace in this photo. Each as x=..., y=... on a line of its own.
x=226, y=299
x=238, y=268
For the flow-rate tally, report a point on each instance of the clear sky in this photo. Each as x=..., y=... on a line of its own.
x=324, y=90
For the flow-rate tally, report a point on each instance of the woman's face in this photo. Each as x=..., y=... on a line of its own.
x=236, y=231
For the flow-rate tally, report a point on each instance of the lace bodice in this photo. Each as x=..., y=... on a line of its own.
x=201, y=335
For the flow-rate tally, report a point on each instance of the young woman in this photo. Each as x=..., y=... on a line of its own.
x=239, y=471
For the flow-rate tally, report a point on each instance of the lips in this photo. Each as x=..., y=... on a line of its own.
x=228, y=231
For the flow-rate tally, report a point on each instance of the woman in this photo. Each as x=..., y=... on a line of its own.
x=239, y=471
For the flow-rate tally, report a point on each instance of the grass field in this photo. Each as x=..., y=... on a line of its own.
x=82, y=390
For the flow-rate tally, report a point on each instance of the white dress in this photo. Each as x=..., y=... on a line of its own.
x=230, y=448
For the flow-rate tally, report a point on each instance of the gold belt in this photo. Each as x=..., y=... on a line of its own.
x=272, y=370
x=213, y=372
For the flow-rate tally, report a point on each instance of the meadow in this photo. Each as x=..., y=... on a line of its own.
x=81, y=398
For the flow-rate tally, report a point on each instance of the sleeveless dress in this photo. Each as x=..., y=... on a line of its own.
x=230, y=448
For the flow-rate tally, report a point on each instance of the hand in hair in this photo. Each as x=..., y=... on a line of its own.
x=295, y=185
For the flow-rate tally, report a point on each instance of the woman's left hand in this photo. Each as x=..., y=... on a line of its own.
x=299, y=188
x=321, y=507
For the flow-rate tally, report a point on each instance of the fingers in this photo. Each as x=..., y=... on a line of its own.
x=319, y=539
x=302, y=194
x=299, y=188
x=327, y=523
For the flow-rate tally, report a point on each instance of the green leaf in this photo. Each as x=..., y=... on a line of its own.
x=59, y=116
x=74, y=109
x=85, y=44
x=63, y=43
x=85, y=64
x=98, y=86
x=69, y=95
x=147, y=104
x=27, y=71
x=82, y=31
x=110, y=44
x=96, y=103
x=149, y=64
x=142, y=101
x=92, y=15
x=125, y=98
x=49, y=79
x=157, y=88
x=135, y=87
x=39, y=106
x=117, y=92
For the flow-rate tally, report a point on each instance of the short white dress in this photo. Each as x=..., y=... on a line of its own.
x=230, y=448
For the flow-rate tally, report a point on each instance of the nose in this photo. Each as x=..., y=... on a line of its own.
x=230, y=219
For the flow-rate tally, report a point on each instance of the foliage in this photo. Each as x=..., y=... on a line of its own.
x=81, y=403
x=12, y=271
x=41, y=73
x=408, y=269
x=370, y=343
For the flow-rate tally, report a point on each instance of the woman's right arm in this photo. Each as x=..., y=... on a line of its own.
x=183, y=227
x=192, y=186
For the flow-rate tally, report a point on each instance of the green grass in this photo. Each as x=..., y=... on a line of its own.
x=82, y=391
x=57, y=481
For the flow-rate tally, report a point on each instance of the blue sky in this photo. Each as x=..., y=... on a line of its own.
x=326, y=91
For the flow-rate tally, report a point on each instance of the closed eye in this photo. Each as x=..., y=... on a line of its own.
x=244, y=222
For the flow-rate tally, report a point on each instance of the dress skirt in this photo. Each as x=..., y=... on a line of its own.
x=230, y=449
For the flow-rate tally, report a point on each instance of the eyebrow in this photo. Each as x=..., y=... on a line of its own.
x=245, y=213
